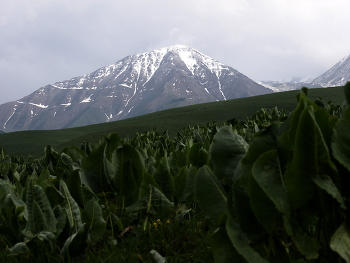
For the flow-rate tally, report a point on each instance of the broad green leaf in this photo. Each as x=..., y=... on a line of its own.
x=125, y=169
x=241, y=244
x=93, y=218
x=74, y=186
x=181, y=160
x=38, y=219
x=198, y=155
x=138, y=163
x=72, y=208
x=142, y=204
x=303, y=103
x=44, y=179
x=66, y=159
x=40, y=213
x=226, y=150
x=154, y=202
x=75, y=244
x=340, y=241
x=267, y=173
x=19, y=248
x=157, y=257
x=326, y=183
x=263, y=141
x=308, y=163
x=306, y=244
x=148, y=179
x=164, y=179
x=21, y=207
x=47, y=240
x=211, y=195
x=93, y=172
x=87, y=194
x=172, y=162
x=223, y=250
x=189, y=187
x=160, y=203
x=180, y=182
x=5, y=189
x=240, y=210
x=341, y=139
x=8, y=205
x=123, y=180
x=263, y=208
x=61, y=216
x=54, y=196
x=113, y=141
x=73, y=156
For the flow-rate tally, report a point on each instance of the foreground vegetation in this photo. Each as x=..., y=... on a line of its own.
x=274, y=188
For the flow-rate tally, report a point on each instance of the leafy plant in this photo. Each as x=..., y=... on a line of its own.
x=289, y=198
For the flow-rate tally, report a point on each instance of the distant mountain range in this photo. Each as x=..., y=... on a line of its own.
x=337, y=75
x=279, y=86
x=139, y=84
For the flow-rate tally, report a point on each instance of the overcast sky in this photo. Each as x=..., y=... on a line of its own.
x=46, y=41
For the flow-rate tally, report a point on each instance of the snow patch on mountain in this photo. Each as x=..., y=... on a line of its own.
x=39, y=105
x=14, y=110
x=88, y=99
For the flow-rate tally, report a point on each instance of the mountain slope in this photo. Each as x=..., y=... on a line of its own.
x=142, y=83
x=337, y=75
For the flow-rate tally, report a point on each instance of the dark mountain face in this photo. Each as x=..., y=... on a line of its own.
x=142, y=83
x=337, y=75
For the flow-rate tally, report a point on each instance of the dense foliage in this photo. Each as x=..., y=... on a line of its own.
x=272, y=188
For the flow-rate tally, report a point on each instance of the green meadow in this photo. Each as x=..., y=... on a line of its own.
x=33, y=142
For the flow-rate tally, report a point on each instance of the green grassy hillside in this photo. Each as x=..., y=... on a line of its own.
x=33, y=142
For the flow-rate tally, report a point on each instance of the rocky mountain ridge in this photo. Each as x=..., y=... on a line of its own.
x=337, y=75
x=138, y=84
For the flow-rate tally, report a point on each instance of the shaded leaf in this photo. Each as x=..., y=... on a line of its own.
x=326, y=183
x=94, y=222
x=180, y=182
x=306, y=164
x=211, y=195
x=341, y=140
x=340, y=241
x=223, y=250
x=72, y=208
x=241, y=244
x=267, y=173
x=19, y=248
x=226, y=150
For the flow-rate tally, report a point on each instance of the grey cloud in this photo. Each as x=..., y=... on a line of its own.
x=42, y=42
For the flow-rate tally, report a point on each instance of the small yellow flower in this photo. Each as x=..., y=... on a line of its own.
x=158, y=220
x=168, y=221
x=155, y=224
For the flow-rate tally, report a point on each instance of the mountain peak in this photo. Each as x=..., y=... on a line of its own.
x=142, y=83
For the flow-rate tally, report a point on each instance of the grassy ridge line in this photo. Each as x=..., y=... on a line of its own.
x=33, y=142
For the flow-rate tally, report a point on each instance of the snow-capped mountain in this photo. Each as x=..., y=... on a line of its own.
x=279, y=86
x=337, y=75
x=142, y=83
